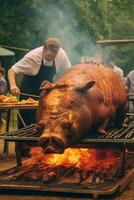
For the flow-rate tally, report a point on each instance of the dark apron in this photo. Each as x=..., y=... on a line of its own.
x=31, y=85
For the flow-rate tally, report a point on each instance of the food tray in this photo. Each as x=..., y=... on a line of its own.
x=17, y=105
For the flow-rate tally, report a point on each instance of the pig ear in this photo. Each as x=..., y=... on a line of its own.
x=85, y=87
x=46, y=85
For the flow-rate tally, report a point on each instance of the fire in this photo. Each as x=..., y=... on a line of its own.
x=81, y=158
x=75, y=165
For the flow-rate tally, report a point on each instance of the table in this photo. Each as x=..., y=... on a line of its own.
x=8, y=107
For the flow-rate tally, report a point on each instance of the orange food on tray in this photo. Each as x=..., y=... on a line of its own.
x=5, y=99
x=28, y=101
x=2, y=97
x=13, y=100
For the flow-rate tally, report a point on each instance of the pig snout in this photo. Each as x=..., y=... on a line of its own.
x=52, y=142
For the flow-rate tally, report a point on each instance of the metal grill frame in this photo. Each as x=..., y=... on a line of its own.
x=112, y=138
x=123, y=135
x=29, y=133
x=93, y=191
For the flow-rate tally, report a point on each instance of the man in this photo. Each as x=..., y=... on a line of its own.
x=3, y=83
x=47, y=62
x=117, y=70
x=130, y=86
x=130, y=81
x=3, y=89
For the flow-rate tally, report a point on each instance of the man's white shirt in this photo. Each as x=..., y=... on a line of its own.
x=31, y=62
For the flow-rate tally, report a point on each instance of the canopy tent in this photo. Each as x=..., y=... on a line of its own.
x=7, y=58
x=6, y=52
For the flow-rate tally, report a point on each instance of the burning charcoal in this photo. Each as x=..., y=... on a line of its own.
x=63, y=171
x=84, y=175
x=101, y=179
x=69, y=172
x=103, y=175
x=49, y=177
x=32, y=176
x=15, y=176
x=89, y=179
x=20, y=173
x=75, y=178
x=108, y=174
x=97, y=180
x=112, y=173
x=60, y=170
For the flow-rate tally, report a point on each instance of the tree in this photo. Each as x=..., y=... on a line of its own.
x=79, y=24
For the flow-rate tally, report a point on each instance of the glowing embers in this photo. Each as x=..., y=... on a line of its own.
x=81, y=166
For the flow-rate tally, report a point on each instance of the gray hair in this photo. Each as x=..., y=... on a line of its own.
x=52, y=44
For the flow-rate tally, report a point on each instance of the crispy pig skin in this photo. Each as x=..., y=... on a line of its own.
x=87, y=97
x=110, y=85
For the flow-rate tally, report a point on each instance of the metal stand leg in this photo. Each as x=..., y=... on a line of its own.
x=18, y=153
x=6, y=144
x=122, y=162
x=18, y=145
x=19, y=115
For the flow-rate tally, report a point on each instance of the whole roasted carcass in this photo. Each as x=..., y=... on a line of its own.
x=87, y=97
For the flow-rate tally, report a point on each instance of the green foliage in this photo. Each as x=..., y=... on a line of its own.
x=79, y=24
x=19, y=22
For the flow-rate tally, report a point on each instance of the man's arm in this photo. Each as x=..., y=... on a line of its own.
x=12, y=82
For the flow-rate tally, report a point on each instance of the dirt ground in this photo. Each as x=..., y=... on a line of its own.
x=7, y=161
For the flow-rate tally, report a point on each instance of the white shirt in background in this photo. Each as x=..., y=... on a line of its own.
x=118, y=71
x=130, y=81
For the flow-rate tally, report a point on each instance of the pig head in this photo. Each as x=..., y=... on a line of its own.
x=62, y=115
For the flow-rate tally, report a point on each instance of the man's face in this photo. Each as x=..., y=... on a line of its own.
x=49, y=55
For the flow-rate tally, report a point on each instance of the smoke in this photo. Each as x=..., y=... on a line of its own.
x=61, y=23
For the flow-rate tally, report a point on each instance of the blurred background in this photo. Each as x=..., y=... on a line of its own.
x=79, y=24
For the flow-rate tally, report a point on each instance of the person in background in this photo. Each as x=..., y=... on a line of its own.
x=3, y=89
x=117, y=70
x=130, y=87
x=47, y=62
x=130, y=81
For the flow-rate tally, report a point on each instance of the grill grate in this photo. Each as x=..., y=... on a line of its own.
x=27, y=133
x=30, y=133
x=122, y=133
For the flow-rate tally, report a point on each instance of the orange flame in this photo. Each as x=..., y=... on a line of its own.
x=81, y=158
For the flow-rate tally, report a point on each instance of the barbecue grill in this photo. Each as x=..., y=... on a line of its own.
x=123, y=135
x=118, y=138
x=121, y=139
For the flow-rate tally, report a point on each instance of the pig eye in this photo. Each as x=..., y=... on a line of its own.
x=70, y=103
x=66, y=124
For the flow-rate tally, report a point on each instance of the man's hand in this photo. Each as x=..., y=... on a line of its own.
x=12, y=82
x=15, y=90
